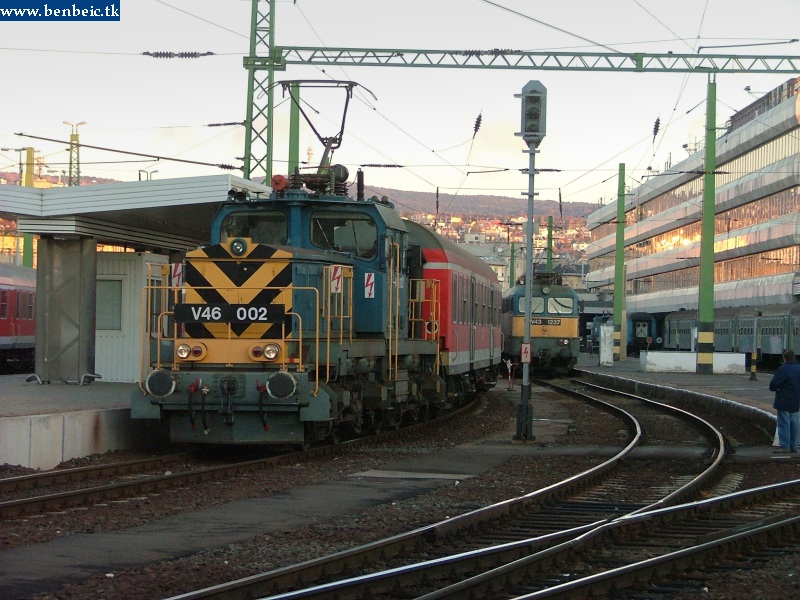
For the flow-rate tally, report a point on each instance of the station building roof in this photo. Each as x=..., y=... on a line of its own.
x=160, y=215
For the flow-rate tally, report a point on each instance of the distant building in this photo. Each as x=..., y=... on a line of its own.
x=475, y=238
x=757, y=225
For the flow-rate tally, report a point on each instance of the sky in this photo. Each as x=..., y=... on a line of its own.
x=420, y=118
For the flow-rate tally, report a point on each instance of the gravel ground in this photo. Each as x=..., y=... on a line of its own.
x=778, y=577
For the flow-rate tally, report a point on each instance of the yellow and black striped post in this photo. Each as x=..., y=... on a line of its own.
x=754, y=355
x=705, y=348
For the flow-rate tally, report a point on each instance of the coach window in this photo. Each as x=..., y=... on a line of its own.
x=3, y=304
x=454, y=296
x=456, y=299
x=475, y=292
x=109, y=304
x=484, y=304
x=354, y=233
x=466, y=292
x=486, y=313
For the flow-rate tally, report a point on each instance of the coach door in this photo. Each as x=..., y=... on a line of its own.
x=490, y=318
x=473, y=321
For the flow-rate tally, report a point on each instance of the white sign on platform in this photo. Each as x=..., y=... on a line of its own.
x=607, y=345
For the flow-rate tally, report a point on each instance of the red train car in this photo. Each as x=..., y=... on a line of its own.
x=17, y=318
x=470, y=339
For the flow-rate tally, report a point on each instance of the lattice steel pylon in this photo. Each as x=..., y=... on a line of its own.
x=265, y=58
x=74, y=160
x=260, y=87
x=74, y=154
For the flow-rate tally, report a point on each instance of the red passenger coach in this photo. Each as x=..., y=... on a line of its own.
x=470, y=337
x=17, y=312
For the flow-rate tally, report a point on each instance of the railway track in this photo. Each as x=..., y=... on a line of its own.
x=54, y=477
x=637, y=548
x=428, y=558
x=135, y=478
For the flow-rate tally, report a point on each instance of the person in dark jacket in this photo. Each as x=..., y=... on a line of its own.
x=786, y=385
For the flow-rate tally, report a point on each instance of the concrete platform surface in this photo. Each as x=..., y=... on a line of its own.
x=734, y=387
x=42, y=425
x=20, y=398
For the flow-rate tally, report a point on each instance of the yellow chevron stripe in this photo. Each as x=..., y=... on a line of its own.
x=265, y=271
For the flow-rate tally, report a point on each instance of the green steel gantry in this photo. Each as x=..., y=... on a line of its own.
x=265, y=58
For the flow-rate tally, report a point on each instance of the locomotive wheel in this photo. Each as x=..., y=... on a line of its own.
x=377, y=422
x=411, y=416
x=459, y=391
x=308, y=433
x=355, y=426
x=416, y=414
x=488, y=380
x=335, y=436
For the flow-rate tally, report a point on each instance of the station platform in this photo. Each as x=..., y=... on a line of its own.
x=737, y=392
x=42, y=425
x=734, y=387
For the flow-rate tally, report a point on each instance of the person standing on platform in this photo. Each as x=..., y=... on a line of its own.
x=786, y=385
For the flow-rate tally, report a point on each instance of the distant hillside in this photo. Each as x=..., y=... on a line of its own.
x=12, y=178
x=474, y=206
x=479, y=206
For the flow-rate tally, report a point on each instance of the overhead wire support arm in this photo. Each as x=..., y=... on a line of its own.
x=633, y=62
x=265, y=57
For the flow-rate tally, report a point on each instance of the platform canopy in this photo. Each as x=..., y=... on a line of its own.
x=160, y=215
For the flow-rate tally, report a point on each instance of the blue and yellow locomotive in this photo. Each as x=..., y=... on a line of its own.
x=309, y=315
x=554, y=334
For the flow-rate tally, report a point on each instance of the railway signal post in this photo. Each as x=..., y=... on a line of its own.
x=534, y=111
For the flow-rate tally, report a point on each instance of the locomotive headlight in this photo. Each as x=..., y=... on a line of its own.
x=563, y=342
x=546, y=289
x=238, y=247
x=271, y=351
x=267, y=352
x=187, y=352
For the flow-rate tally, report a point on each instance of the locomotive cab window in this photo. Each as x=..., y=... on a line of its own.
x=560, y=306
x=537, y=306
x=354, y=233
x=262, y=227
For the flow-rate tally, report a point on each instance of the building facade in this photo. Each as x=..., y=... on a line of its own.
x=757, y=219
